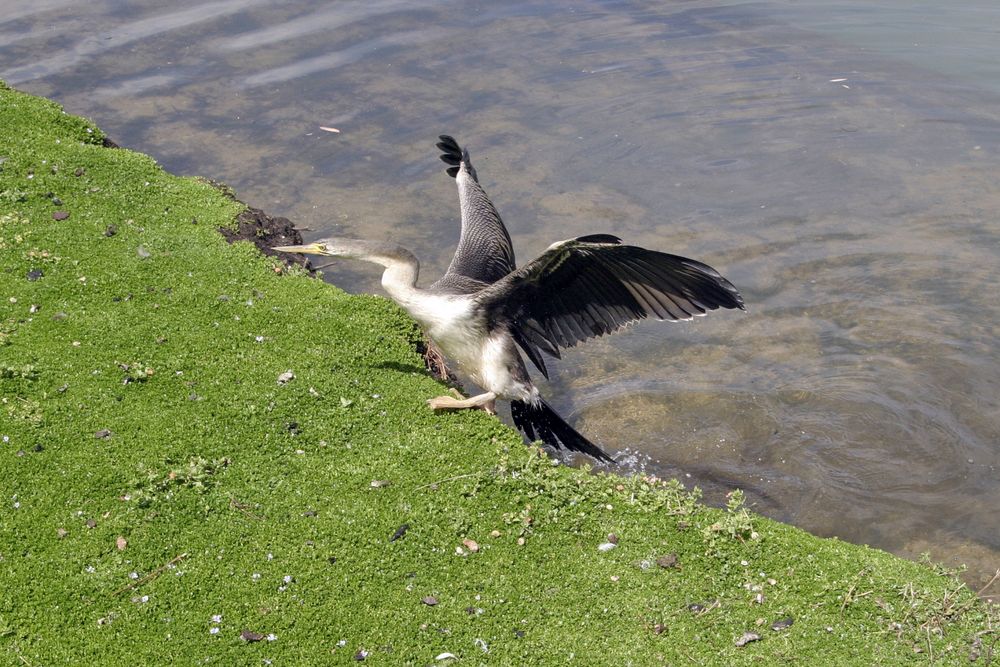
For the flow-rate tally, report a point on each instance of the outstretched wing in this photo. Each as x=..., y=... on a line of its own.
x=484, y=250
x=594, y=285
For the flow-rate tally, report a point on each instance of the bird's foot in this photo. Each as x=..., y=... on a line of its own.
x=485, y=401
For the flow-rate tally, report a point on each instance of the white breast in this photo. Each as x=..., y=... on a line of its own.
x=452, y=324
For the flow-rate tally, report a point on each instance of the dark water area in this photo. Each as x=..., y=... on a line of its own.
x=839, y=162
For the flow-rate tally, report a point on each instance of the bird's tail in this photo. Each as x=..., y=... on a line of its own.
x=541, y=421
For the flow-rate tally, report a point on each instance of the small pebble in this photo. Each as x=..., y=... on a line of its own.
x=60, y=215
x=783, y=623
x=429, y=600
x=606, y=546
x=668, y=561
x=747, y=638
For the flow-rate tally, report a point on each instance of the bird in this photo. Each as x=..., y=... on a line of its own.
x=485, y=311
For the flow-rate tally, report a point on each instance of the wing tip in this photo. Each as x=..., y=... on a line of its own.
x=453, y=154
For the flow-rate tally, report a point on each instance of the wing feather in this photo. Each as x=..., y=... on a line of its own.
x=594, y=285
x=484, y=249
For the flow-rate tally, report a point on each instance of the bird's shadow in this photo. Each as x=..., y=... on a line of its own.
x=402, y=368
x=450, y=381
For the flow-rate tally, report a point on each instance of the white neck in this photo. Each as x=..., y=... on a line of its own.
x=400, y=280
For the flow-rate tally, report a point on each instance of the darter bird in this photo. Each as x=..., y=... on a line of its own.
x=484, y=309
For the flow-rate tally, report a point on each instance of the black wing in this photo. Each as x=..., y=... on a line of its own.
x=593, y=285
x=484, y=250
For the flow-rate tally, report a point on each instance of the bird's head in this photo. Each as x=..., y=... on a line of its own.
x=332, y=247
x=386, y=254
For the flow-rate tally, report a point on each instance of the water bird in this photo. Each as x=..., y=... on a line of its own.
x=484, y=309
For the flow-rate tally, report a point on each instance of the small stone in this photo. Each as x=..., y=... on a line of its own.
x=121, y=543
x=60, y=215
x=783, y=623
x=103, y=434
x=429, y=600
x=746, y=638
x=35, y=274
x=91, y=523
x=143, y=253
x=606, y=546
x=286, y=377
x=471, y=545
x=56, y=201
x=249, y=636
x=61, y=533
x=80, y=171
x=659, y=628
x=759, y=598
x=361, y=655
x=494, y=533
x=612, y=538
x=615, y=578
x=379, y=483
x=668, y=561
x=399, y=532
x=520, y=541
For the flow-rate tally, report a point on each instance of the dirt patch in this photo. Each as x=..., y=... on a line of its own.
x=265, y=232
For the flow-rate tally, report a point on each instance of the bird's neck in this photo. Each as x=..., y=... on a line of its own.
x=400, y=276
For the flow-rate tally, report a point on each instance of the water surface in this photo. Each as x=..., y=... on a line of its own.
x=836, y=160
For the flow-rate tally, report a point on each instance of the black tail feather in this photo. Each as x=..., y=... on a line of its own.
x=541, y=422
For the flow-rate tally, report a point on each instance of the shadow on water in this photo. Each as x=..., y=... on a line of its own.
x=844, y=181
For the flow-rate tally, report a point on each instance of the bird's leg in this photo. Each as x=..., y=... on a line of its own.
x=485, y=401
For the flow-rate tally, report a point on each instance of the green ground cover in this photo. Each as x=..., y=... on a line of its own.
x=167, y=500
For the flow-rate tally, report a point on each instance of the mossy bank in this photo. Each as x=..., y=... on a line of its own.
x=207, y=457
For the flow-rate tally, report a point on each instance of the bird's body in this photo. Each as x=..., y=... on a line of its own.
x=484, y=309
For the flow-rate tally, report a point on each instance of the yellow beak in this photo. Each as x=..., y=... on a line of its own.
x=307, y=249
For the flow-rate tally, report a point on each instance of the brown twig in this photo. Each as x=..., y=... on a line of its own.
x=976, y=597
x=152, y=575
x=235, y=504
x=448, y=479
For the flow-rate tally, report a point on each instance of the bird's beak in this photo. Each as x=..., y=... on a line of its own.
x=307, y=249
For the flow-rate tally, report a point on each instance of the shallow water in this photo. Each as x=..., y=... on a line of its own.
x=837, y=161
